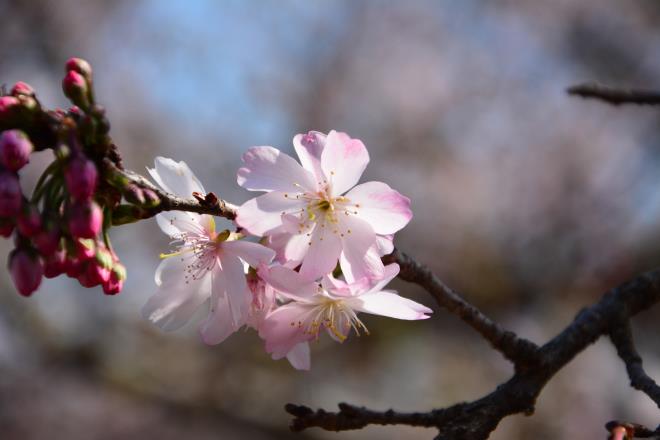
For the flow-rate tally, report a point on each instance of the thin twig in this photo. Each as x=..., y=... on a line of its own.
x=615, y=96
x=622, y=338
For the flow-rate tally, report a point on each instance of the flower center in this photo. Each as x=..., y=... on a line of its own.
x=333, y=315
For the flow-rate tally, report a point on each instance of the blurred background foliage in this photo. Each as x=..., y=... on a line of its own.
x=527, y=201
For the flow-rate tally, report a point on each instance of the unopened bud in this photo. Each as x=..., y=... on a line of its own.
x=72, y=266
x=22, y=89
x=134, y=195
x=6, y=227
x=84, y=249
x=15, y=149
x=26, y=271
x=54, y=264
x=8, y=107
x=10, y=194
x=47, y=241
x=85, y=219
x=80, y=66
x=29, y=221
x=81, y=178
x=75, y=88
x=151, y=199
x=116, y=282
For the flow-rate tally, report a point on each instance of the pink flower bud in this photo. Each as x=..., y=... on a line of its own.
x=95, y=273
x=8, y=105
x=29, y=221
x=84, y=249
x=81, y=178
x=26, y=271
x=75, y=88
x=55, y=264
x=15, y=149
x=10, y=194
x=80, y=66
x=72, y=267
x=21, y=88
x=85, y=219
x=6, y=227
x=116, y=282
x=84, y=277
x=47, y=240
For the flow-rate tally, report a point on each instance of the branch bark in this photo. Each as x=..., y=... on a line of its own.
x=615, y=96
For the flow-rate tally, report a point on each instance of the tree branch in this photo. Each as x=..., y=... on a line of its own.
x=477, y=419
x=615, y=96
x=622, y=339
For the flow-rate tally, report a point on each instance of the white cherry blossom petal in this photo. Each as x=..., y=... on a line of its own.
x=253, y=254
x=389, y=304
x=343, y=161
x=299, y=357
x=174, y=223
x=289, y=283
x=268, y=169
x=263, y=215
x=236, y=288
x=281, y=331
x=175, y=177
x=385, y=209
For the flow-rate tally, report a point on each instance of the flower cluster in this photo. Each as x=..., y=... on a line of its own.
x=317, y=262
x=62, y=227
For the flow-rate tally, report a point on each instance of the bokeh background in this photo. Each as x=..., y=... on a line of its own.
x=529, y=202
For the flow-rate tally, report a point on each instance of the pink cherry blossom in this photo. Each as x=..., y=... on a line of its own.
x=332, y=305
x=310, y=213
x=206, y=266
x=264, y=301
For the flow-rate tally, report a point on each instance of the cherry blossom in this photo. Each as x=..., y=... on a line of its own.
x=205, y=265
x=313, y=214
x=332, y=305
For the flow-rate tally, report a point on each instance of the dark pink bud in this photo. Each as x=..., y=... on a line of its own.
x=10, y=195
x=6, y=227
x=72, y=267
x=81, y=178
x=8, y=105
x=80, y=66
x=26, y=271
x=75, y=88
x=15, y=149
x=85, y=249
x=84, y=277
x=85, y=219
x=21, y=88
x=29, y=221
x=116, y=282
x=55, y=264
x=134, y=195
x=47, y=240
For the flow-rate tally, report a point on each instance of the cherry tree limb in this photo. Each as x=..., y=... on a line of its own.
x=615, y=96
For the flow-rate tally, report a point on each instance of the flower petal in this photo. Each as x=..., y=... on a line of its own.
x=359, y=257
x=322, y=255
x=268, y=169
x=280, y=329
x=175, y=301
x=309, y=148
x=263, y=215
x=384, y=244
x=389, y=304
x=253, y=254
x=299, y=357
x=383, y=208
x=219, y=324
x=175, y=177
x=236, y=288
x=343, y=161
x=289, y=283
x=174, y=223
